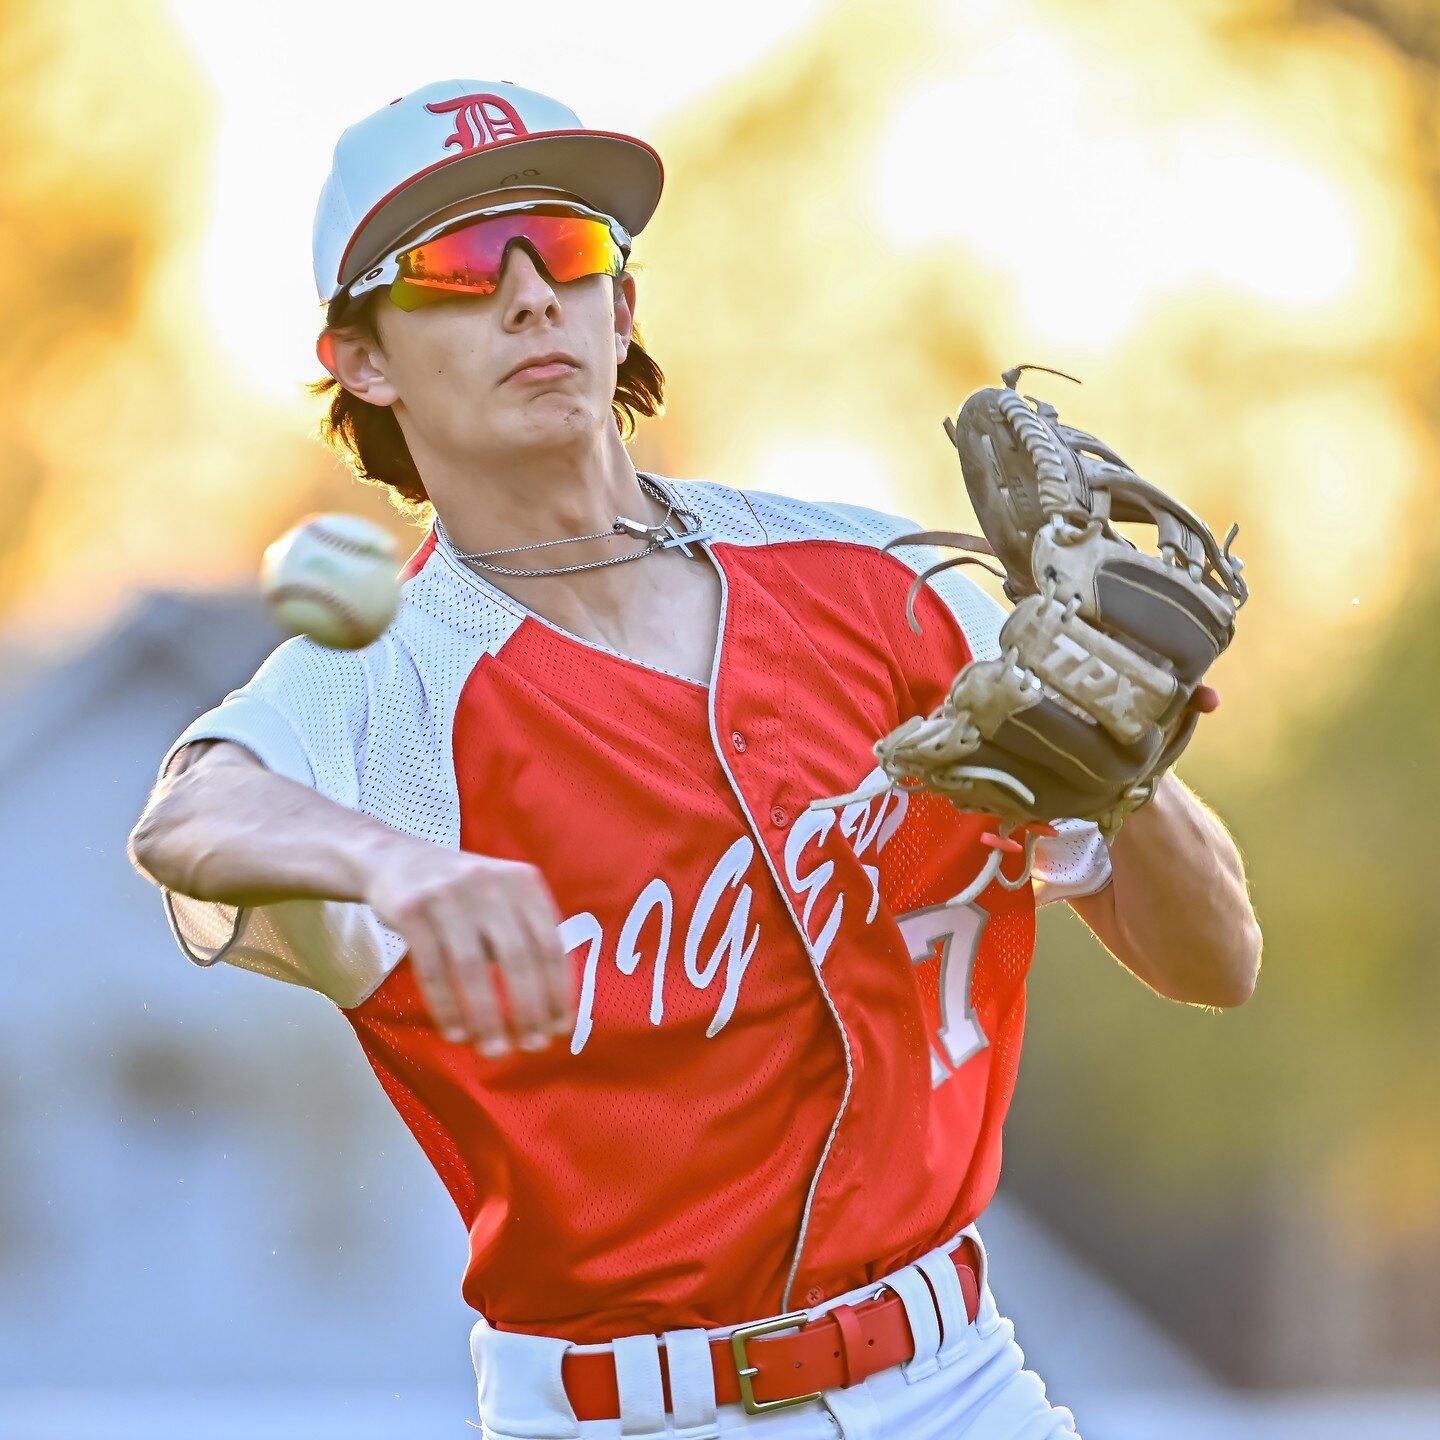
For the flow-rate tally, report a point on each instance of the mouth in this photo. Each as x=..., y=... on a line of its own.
x=543, y=367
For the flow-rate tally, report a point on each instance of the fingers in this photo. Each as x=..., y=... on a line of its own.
x=469, y=973
x=1205, y=699
x=427, y=960
x=561, y=992
x=485, y=948
x=517, y=962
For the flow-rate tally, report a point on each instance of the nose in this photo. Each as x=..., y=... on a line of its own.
x=526, y=289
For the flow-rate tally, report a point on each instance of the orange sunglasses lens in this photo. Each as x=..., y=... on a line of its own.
x=468, y=261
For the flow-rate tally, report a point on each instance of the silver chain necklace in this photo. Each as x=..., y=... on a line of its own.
x=662, y=536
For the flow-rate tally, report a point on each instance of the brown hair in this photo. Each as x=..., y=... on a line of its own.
x=368, y=438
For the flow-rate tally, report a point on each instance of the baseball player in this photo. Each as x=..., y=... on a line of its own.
x=716, y=1079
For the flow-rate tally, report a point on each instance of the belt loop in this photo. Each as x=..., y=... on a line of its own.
x=692, y=1385
x=939, y=1269
x=642, y=1394
x=988, y=1315
x=852, y=1342
x=519, y=1382
x=914, y=1290
x=973, y=1235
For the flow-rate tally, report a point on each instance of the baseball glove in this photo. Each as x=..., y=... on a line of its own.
x=1089, y=702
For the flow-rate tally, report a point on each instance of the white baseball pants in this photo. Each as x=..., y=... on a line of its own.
x=966, y=1382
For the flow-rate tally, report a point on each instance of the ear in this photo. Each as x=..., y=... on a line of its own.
x=357, y=362
x=624, y=314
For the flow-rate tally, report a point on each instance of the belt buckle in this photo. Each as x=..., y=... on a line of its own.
x=744, y=1370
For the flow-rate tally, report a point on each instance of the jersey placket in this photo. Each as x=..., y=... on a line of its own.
x=749, y=734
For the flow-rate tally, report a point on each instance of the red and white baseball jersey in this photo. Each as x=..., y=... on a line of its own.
x=793, y=1056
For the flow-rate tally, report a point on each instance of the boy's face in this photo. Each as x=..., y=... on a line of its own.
x=446, y=368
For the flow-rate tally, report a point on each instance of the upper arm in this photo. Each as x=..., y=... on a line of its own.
x=304, y=715
x=198, y=756
x=211, y=752
x=194, y=757
x=1098, y=913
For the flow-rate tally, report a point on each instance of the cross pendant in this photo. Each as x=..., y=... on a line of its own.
x=673, y=538
x=682, y=542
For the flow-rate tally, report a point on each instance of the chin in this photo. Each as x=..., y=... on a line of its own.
x=555, y=421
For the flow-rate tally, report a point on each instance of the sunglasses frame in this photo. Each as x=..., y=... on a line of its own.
x=387, y=271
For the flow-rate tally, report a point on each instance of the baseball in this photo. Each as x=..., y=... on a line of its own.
x=333, y=577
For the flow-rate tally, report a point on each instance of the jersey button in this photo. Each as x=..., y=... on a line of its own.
x=779, y=817
x=738, y=741
x=814, y=1295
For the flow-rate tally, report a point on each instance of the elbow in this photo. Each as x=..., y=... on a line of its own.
x=153, y=850
x=1235, y=990
x=142, y=846
x=1233, y=976
x=154, y=845
x=1218, y=973
x=1250, y=963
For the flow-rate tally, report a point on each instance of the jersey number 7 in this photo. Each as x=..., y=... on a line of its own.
x=949, y=937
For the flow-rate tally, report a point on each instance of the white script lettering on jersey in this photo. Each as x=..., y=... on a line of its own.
x=656, y=902
x=950, y=932
x=866, y=824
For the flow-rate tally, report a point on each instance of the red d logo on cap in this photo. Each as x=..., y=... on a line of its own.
x=480, y=120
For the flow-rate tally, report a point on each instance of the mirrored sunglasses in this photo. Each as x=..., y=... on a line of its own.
x=568, y=240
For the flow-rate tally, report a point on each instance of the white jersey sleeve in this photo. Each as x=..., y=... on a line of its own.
x=1073, y=863
x=304, y=715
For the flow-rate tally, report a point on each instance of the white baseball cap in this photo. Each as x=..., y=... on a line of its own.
x=454, y=139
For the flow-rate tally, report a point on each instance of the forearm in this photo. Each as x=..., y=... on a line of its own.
x=237, y=833
x=1180, y=907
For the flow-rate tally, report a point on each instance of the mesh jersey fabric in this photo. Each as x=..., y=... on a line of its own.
x=793, y=1058
x=370, y=729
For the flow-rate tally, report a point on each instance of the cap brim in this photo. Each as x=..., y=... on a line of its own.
x=615, y=173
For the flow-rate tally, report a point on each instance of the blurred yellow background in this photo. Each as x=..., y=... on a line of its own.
x=1222, y=215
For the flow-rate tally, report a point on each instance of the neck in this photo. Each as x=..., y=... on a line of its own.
x=552, y=498
x=546, y=497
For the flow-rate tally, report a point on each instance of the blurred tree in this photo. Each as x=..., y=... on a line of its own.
x=105, y=134
x=134, y=453
x=1412, y=26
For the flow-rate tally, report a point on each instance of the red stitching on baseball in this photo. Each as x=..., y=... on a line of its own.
x=345, y=543
x=299, y=591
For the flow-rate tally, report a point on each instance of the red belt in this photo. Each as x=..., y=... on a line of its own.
x=834, y=1350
